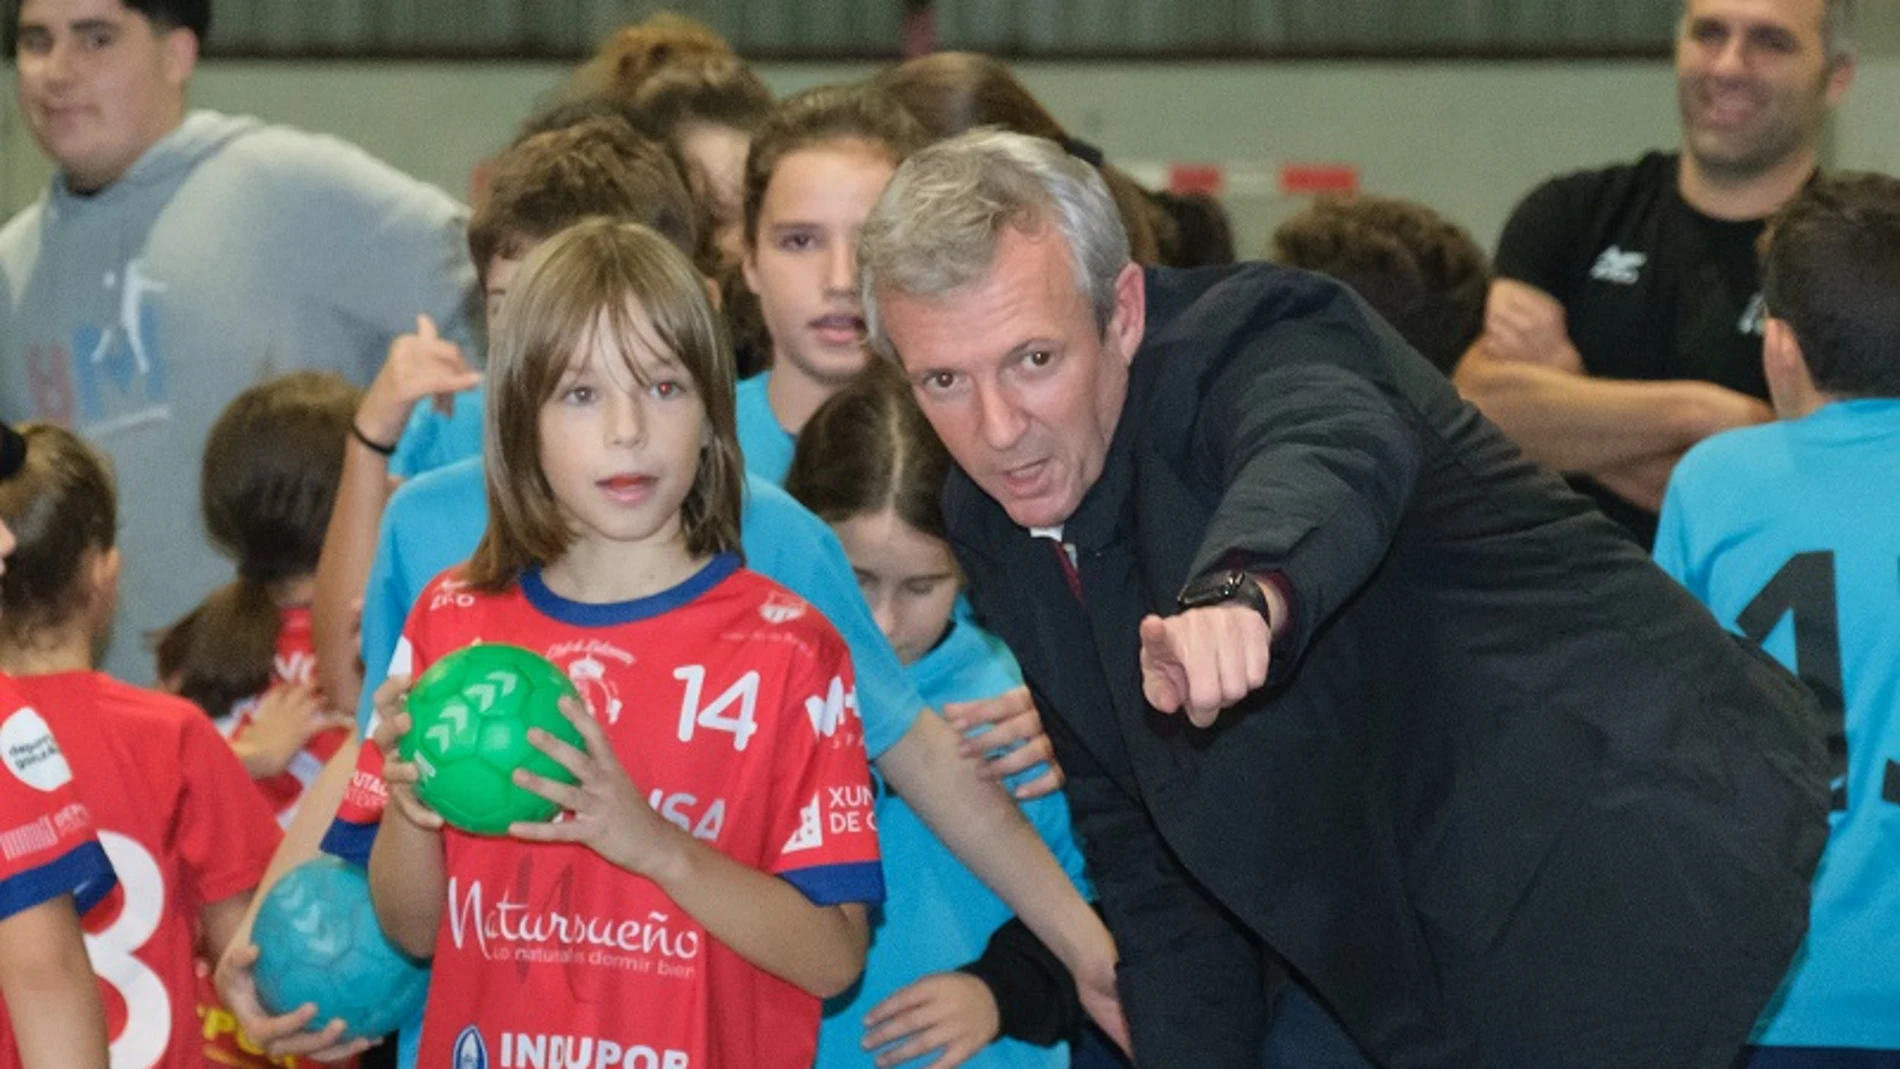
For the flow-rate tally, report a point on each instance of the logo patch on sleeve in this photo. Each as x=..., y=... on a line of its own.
x=28, y=749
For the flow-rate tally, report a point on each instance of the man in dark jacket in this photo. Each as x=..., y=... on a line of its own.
x=1358, y=706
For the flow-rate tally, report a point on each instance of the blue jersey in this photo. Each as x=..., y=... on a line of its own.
x=936, y=914
x=767, y=446
x=433, y=440
x=1790, y=533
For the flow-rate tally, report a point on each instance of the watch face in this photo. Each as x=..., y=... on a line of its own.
x=1212, y=590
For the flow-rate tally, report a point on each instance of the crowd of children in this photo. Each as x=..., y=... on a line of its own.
x=748, y=580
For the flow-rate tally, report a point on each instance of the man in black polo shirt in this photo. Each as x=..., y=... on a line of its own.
x=1625, y=324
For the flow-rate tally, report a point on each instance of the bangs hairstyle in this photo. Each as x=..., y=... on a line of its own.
x=870, y=448
x=633, y=284
x=821, y=116
x=62, y=506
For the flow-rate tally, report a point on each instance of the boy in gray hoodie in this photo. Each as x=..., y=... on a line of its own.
x=177, y=257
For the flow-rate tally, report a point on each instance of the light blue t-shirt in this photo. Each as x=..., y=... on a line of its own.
x=937, y=915
x=767, y=446
x=1790, y=533
x=433, y=440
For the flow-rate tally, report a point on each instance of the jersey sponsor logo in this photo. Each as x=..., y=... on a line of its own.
x=684, y=812
x=451, y=594
x=28, y=839
x=28, y=749
x=470, y=1050
x=848, y=810
x=589, y=665
x=811, y=829
x=299, y=666
x=515, y=931
x=1622, y=268
x=827, y=711
x=543, y=1050
x=782, y=609
x=1754, y=318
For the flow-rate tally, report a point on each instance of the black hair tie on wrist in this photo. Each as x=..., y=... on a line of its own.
x=371, y=444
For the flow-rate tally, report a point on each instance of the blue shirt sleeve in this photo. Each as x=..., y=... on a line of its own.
x=433, y=440
x=788, y=544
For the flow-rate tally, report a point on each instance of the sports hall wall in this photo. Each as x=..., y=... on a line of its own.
x=1466, y=137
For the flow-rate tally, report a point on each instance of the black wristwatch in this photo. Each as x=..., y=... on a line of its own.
x=1223, y=587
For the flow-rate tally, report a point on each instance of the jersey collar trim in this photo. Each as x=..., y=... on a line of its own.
x=583, y=614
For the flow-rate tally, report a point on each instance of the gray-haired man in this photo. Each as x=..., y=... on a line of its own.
x=1458, y=764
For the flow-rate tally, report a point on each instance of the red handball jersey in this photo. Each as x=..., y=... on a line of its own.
x=48, y=845
x=731, y=704
x=295, y=663
x=183, y=826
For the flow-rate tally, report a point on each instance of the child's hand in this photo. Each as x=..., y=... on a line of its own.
x=605, y=810
x=286, y=718
x=400, y=776
x=950, y=1012
x=1005, y=732
x=418, y=365
x=288, y=1034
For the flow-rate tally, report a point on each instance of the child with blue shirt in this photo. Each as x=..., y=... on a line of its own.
x=816, y=167
x=1790, y=533
x=869, y=465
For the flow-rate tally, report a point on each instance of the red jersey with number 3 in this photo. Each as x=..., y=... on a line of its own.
x=730, y=703
x=183, y=826
x=294, y=664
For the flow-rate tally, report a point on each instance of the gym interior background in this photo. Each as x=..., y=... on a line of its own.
x=1461, y=104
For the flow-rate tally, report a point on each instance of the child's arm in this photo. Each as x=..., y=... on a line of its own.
x=288, y=1034
x=285, y=721
x=221, y=921
x=764, y=919
x=407, y=878
x=418, y=365
x=47, y=984
x=988, y=833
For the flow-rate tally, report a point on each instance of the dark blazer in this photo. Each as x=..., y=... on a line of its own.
x=1510, y=798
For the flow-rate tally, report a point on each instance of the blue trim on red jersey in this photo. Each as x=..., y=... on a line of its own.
x=351, y=842
x=82, y=872
x=833, y=885
x=614, y=613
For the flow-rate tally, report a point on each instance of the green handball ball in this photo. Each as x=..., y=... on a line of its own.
x=469, y=719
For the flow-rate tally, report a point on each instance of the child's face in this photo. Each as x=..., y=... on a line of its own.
x=909, y=579
x=6, y=545
x=803, y=263
x=620, y=456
